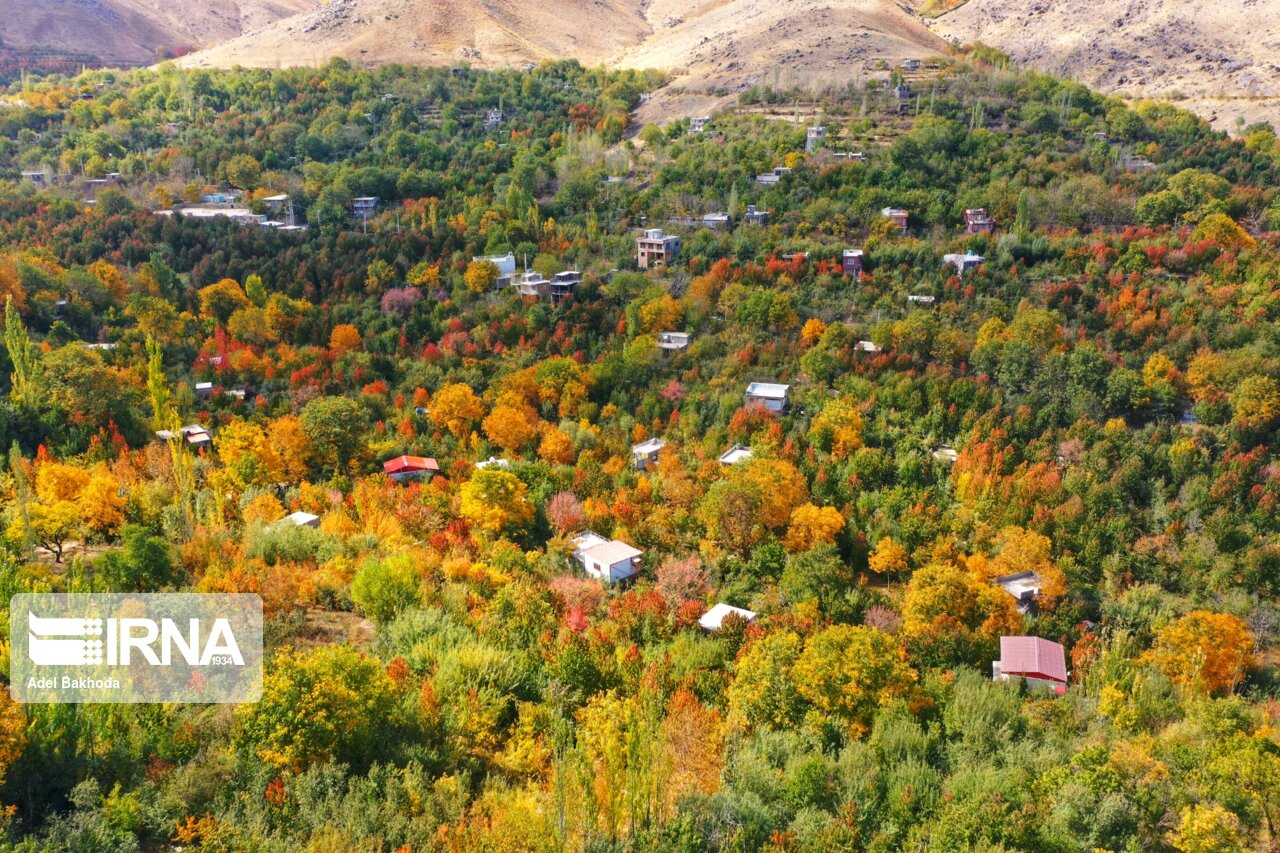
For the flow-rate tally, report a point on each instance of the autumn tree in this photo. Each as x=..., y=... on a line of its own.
x=848, y=672
x=243, y=171
x=1208, y=650
x=331, y=703
x=566, y=513
x=13, y=732
x=949, y=614
x=345, y=338
x=763, y=693
x=1255, y=405
x=556, y=447
x=682, y=580
x=456, y=408
x=481, y=276
x=782, y=488
x=888, y=557
x=495, y=500
x=812, y=525
x=222, y=299
x=837, y=429
x=509, y=427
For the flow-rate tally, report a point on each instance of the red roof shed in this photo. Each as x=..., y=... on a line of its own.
x=407, y=464
x=1033, y=657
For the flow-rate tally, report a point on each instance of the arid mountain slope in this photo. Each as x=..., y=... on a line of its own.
x=732, y=43
x=706, y=43
x=487, y=33
x=1222, y=56
x=132, y=32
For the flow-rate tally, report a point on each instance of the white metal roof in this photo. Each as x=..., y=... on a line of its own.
x=771, y=390
x=612, y=552
x=714, y=618
x=652, y=445
x=734, y=455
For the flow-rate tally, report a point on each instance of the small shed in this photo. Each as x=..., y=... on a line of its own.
x=1037, y=661
x=404, y=469
x=645, y=453
x=609, y=560
x=771, y=395
x=866, y=346
x=672, y=341
x=713, y=619
x=1023, y=586
x=204, y=389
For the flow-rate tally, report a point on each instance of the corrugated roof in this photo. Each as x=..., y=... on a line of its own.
x=410, y=463
x=1033, y=656
x=612, y=552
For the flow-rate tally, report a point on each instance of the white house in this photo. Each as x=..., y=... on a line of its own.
x=965, y=262
x=866, y=346
x=672, y=341
x=770, y=178
x=734, y=455
x=768, y=394
x=606, y=559
x=645, y=453
x=493, y=462
x=506, y=265
x=713, y=619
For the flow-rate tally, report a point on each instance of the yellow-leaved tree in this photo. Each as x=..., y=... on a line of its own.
x=495, y=500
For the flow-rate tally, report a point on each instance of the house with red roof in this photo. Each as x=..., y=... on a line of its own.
x=1037, y=661
x=404, y=469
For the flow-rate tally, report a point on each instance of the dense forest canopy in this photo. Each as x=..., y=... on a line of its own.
x=1097, y=401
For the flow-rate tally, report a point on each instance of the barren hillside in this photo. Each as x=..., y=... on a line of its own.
x=1221, y=56
x=734, y=43
x=131, y=32
x=484, y=32
x=708, y=45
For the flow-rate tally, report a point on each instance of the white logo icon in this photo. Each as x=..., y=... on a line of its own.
x=64, y=642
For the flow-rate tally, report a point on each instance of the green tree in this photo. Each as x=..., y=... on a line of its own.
x=335, y=428
x=383, y=588
x=143, y=564
x=24, y=357
x=244, y=172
